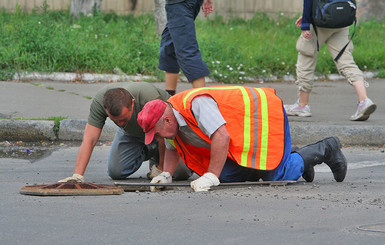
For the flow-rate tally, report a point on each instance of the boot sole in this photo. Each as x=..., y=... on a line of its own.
x=345, y=162
x=366, y=113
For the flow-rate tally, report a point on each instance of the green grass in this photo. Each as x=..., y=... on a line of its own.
x=234, y=50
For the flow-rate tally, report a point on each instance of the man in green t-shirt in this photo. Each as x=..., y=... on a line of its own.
x=122, y=103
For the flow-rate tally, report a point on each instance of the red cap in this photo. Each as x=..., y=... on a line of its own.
x=149, y=116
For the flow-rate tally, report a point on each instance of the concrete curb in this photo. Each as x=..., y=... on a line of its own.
x=71, y=77
x=348, y=135
x=72, y=130
x=26, y=130
x=122, y=77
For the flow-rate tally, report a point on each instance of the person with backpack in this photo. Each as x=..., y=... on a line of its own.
x=327, y=22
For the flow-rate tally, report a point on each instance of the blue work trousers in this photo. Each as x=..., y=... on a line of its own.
x=290, y=168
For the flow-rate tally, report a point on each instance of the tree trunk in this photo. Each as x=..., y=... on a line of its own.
x=160, y=16
x=84, y=7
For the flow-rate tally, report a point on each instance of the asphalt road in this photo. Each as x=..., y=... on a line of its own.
x=332, y=104
x=322, y=212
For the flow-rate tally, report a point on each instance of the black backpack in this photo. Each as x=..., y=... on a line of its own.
x=334, y=14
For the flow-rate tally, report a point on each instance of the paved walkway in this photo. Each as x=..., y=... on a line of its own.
x=332, y=103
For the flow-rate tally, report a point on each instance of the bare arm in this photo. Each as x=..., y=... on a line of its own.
x=207, y=7
x=162, y=148
x=219, y=147
x=90, y=138
x=171, y=161
x=298, y=22
x=218, y=154
x=305, y=33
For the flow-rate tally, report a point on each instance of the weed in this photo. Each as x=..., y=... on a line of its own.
x=57, y=121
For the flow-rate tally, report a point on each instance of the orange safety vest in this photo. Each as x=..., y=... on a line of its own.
x=254, y=120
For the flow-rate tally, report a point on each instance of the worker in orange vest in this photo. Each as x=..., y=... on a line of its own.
x=233, y=134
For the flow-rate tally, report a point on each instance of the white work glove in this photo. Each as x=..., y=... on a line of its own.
x=73, y=178
x=204, y=182
x=164, y=177
x=154, y=171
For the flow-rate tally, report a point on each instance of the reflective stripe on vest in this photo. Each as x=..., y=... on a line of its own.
x=265, y=129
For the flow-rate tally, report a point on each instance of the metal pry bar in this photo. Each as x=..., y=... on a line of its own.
x=187, y=184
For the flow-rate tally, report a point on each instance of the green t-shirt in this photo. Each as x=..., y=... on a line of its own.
x=142, y=92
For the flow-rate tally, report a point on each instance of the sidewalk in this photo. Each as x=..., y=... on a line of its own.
x=332, y=103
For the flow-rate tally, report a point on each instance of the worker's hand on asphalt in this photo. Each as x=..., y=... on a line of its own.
x=154, y=171
x=204, y=182
x=164, y=177
x=73, y=178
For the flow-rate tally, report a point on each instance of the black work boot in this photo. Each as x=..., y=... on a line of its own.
x=327, y=151
x=308, y=173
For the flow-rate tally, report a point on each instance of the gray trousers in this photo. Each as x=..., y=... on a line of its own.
x=126, y=155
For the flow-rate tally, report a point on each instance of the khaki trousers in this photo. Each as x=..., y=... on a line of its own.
x=335, y=40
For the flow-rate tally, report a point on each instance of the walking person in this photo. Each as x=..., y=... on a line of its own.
x=307, y=47
x=179, y=48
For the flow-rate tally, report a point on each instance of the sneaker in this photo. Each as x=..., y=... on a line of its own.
x=297, y=110
x=364, y=109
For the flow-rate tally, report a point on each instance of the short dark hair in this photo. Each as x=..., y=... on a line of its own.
x=115, y=98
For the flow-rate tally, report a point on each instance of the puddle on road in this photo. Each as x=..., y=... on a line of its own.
x=28, y=151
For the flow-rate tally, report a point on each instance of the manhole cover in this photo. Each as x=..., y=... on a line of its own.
x=71, y=189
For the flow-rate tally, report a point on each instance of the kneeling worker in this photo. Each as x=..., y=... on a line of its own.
x=233, y=134
x=122, y=102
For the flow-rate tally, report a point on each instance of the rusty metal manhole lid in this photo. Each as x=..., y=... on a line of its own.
x=71, y=189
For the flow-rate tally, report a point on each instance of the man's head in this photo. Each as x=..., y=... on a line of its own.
x=157, y=120
x=118, y=104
